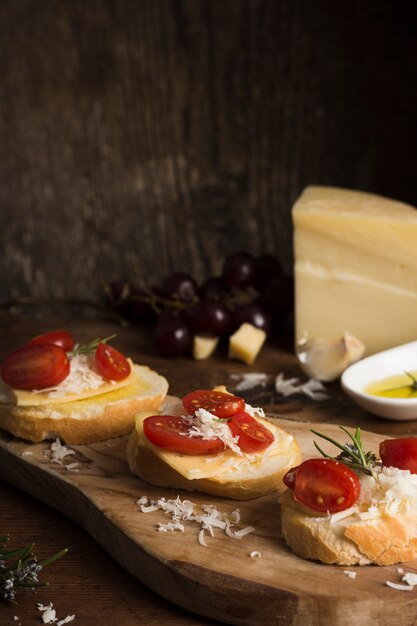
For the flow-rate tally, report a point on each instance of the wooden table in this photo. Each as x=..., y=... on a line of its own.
x=87, y=581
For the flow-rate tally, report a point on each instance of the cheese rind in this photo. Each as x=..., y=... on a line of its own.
x=355, y=267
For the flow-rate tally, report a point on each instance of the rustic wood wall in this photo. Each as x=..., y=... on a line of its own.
x=141, y=135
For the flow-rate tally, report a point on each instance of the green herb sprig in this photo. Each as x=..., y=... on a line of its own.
x=20, y=568
x=353, y=454
x=89, y=348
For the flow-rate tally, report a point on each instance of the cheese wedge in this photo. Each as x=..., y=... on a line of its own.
x=355, y=267
x=246, y=343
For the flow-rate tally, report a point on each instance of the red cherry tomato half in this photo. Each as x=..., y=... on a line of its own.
x=289, y=478
x=253, y=436
x=58, y=338
x=35, y=367
x=400, y=453
x=218, y=403
x=324, y=485
x=111, y=363
x=172, y=433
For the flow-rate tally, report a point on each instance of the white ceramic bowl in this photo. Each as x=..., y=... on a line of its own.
x=377, y=367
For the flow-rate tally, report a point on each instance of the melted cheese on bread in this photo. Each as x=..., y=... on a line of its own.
x=227, y=462
x=19, y=397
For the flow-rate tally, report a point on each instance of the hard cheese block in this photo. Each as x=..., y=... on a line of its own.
x=355, y=267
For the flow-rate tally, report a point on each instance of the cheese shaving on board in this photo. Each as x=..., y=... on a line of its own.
x=314, y=389
x=250, y=380
x=207, y=516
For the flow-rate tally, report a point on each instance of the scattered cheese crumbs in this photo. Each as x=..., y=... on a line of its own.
x=400, y=570
x=312, y=388
x=68, y=618
x=255, y=554
x=82, y=377
x=71, y=467
x=201, y=539
x=48, y=613
x=59, y=452
x=254, y=411
x=399, y=587
x=16, y=619
x=250, y=380
x=349, y=573
x=208, y=516
x=409, y=578
x=205, y=425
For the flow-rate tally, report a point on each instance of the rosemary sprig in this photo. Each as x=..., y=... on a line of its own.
x=352, y=454
x=89, y=348
x=412, y=387
x=20, y=568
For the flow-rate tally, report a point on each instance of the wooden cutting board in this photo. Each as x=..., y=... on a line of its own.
x=222, y=580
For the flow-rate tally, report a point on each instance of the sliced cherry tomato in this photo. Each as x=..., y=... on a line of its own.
x=324, y=485
x=400, y=453
x=253, y=436
x=58, y=338
x=35, y=367
x=289, y=478
x=218, y=403
x=172, y=433
x=111, y=363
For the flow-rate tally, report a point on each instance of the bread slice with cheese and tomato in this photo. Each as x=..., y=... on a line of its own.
x=94, y=400
x=378, y=525
x=206, y=456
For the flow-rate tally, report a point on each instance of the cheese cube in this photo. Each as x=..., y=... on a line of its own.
x=355, y=267
x=204, y=346
x=246, y=343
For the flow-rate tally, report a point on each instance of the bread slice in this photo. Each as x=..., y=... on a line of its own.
x=350, y=541
x=87, y=420
x=227, y=474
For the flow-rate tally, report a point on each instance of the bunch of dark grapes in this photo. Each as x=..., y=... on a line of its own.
x=253, y=290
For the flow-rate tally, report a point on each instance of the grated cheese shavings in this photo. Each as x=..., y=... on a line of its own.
x=399, y=587
x=49, y=615
x=250, y=380
x=349, y=573
x=207, y=516
x=254, y=411
x=59, y=452
x=205, y=425
x=255, y=554
x=314, y=389
x=82, y=377
x=410, y=578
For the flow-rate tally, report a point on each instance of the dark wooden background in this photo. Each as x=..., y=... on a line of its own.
x=141, y=135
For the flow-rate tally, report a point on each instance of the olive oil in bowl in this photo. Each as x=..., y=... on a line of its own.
x=401, y=386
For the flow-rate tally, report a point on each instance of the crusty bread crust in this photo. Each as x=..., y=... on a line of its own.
x=382, y=541
x=97, y=422
x=143, y=462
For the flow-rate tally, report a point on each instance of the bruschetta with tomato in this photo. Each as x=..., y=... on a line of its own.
x=354, y=509
x=53, y=387
x=212, y=442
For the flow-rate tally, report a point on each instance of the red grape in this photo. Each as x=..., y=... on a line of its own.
x=255, y=315
x=213, y=289
x=267, y=267
x=210, y=317
x=180, y=286
x=172, y=336
x=239, y=270
x=140, y=310
x=278, y=295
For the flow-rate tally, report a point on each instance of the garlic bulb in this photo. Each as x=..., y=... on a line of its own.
x=326, y=359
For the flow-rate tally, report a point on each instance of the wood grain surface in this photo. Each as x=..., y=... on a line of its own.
x=221, y=580
x=87, y=581
x=141, y=135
